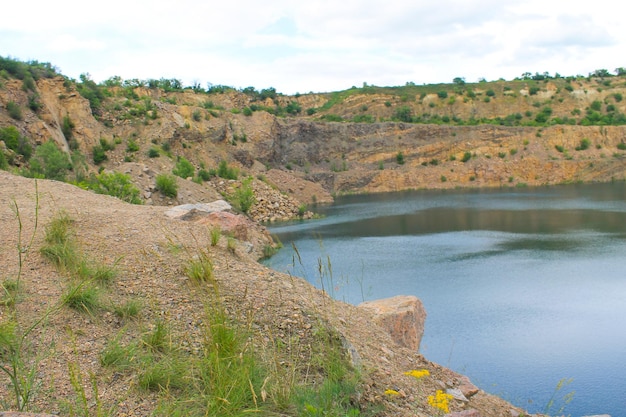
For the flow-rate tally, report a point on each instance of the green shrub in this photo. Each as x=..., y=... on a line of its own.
x=400, y=158
x=132, y=146
x=244, y=195
x=99, y=154
x=16, y=142
x=183, y=168
x=117, y=185
x=49, y=162
x=33, y=102
x=196, y=115
x=226, y=172
x=204, y=175
x=403, y=114
x=533, y=90
x=153, y=153
x=466, y=157
x=67, y=127
x=490, y=93
x=442, y=94
x=596, y=105
x=14, y=110
x=584, y=145
x=559, y=148
x=167, y=185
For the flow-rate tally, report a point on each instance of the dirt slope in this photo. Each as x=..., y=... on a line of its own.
x=149, y=251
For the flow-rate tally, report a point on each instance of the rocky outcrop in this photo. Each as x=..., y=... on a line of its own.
x=403, y=316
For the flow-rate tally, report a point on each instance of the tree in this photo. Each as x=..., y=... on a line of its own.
x=621, y=71
x=600, y=73
x=459, y=81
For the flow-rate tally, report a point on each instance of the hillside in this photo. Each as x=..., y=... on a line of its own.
x=311, y=146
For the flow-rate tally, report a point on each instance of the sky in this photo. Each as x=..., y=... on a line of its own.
x=314, y=45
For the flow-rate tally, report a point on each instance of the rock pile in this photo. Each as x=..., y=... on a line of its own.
x=271, y=205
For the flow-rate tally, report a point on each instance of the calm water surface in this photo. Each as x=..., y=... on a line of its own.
x=523, y=287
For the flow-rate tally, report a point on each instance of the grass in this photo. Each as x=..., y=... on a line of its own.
x=167, y=185
x=129, y=309
x=83, y=296
x=216, y=233
x=200, y=269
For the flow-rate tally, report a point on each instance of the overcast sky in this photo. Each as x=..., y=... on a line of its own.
x=314, y=45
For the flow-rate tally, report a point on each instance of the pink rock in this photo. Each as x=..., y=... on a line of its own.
x=402, y=316
x=466, y=387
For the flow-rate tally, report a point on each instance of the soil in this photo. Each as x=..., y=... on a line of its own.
x=149, y=251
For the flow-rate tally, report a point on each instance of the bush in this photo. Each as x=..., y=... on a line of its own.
x=16, y=142
x=224, y=171
x=167, y=185
x=621, y=146
x=403, y=114
x=14, y=110
x=584, y=145
x=197, y=115
x=466, y=157
x=132, y=146
x=244, y=195
x=153, y=153
x=117, y=185
x=49, y=162
x=99, y=154
x=67, y=128
x=183, y=168
x=400, y=158
x=442, y=94
x=490, y=93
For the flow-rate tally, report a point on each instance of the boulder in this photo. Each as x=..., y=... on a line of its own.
x=192, y=212
x=403, y=316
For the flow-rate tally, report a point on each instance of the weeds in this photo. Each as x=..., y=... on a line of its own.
x=15, y=350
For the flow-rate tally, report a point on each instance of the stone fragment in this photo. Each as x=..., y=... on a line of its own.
x=402, y=316
x=467, y=387
x=457, y=394
x=464, y=413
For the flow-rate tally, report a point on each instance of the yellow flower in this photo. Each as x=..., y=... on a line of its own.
x=417, y=373
x=440, y=401
x=392, y=393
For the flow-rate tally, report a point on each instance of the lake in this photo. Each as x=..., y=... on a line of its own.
x=523, y=287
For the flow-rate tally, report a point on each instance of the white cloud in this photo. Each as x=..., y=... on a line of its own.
x=318, y=45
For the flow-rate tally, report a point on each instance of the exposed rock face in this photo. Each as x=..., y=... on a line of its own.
x=403, y=316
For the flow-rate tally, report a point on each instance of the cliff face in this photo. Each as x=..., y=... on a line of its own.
x=345, y=156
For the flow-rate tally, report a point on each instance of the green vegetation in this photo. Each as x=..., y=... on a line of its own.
x=400, y=158
x=183, y=168
x=167, y=185
x=466, y=157
x=14, y=110
x=226, y=172
x=49, y=162
x=115, y=184
x=584, y=144
x=16, y=142
x=244, y=197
